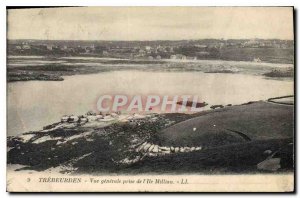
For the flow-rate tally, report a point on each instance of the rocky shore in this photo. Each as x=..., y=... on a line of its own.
x=27, y=76
x=50, y=72
x=253, y=137
x=281, y=73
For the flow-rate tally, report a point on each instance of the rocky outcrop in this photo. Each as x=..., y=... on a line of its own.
x=153, y=150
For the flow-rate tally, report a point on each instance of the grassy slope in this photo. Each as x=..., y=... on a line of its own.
x=260, y=120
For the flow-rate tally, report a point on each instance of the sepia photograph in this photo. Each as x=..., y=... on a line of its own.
x=150, y=99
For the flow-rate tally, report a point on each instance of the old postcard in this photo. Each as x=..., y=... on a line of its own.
x=150, y=99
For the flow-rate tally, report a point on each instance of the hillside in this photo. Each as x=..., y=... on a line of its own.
x=254, y=137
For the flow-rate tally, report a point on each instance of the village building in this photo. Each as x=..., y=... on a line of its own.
x=142, y=52
x=148, y=48
x=49, y=47
x=26, y=46
x=173, y=57
x=201, y=46
x=178, y=56
x=105, y=53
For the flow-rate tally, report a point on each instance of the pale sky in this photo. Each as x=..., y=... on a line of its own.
x=151, y=23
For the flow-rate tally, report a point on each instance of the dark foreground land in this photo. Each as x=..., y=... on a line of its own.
x=250, y=138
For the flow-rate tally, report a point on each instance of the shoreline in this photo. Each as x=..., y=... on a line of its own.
x=57, y=71
x=139, y=60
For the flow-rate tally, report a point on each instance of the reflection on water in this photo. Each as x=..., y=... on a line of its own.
x=34, y=104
